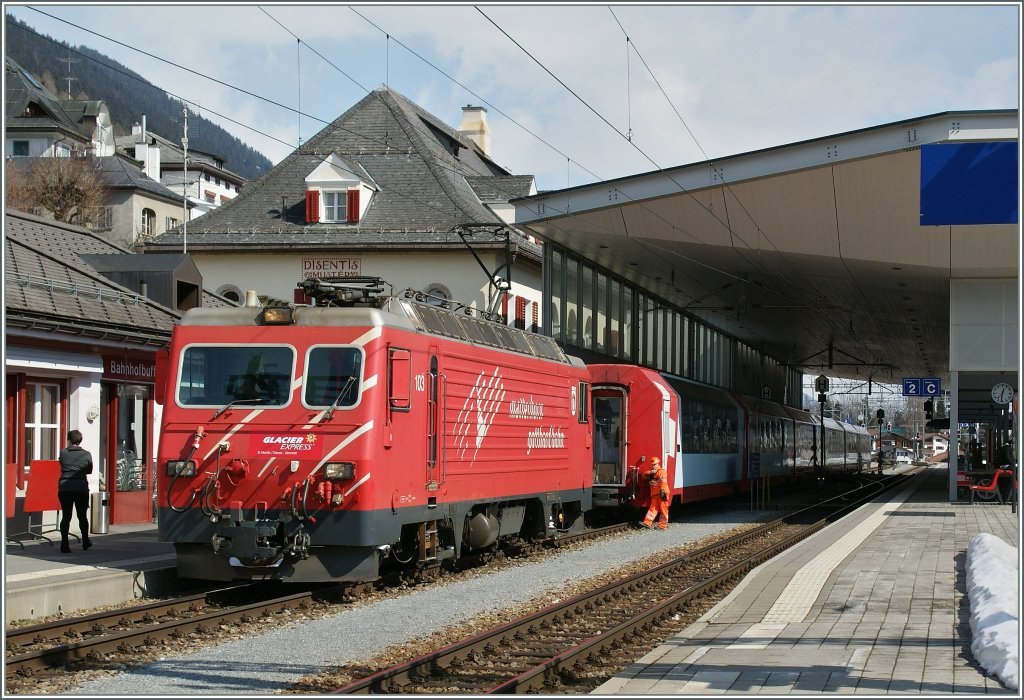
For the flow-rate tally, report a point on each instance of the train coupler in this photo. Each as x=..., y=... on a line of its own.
x=299, y=545
x=246, y=542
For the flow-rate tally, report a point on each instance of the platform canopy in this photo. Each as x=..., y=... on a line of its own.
x=813, y=252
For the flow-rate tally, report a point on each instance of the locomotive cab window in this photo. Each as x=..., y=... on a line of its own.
x=218, y=375
x=333, y=376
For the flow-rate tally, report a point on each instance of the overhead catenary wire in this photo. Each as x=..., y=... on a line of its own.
x=725, y=184
x=568, y=158
x=220, y=82
x=425, y=204
x=282, y=106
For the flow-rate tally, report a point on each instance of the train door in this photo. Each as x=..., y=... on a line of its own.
x=609, y=410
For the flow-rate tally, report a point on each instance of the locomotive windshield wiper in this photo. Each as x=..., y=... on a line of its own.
x=224, y=408
x=329, y=413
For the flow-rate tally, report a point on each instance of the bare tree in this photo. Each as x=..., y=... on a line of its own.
x=69, y=189
x=16, y=187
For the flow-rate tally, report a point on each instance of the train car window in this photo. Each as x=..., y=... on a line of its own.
x=217, y=375
x=584, y=402
x=709, y=423
x=333, y=376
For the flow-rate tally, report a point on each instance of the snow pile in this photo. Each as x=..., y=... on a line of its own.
x=992, y=572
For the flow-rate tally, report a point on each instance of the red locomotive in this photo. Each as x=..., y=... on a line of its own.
x=325, y=442
x=330, y=442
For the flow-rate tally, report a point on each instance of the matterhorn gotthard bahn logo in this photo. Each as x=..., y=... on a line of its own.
x=478, y=412
x=482, y=405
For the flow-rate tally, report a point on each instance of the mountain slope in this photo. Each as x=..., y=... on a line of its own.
x=127, y=94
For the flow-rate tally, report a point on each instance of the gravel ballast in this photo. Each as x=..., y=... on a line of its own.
x=271, y=662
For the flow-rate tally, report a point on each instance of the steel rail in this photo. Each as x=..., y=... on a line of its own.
x=542, y=675
x=390, y=680
x=126, y=641
x=93, y=634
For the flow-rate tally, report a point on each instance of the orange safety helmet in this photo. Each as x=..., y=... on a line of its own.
x=655, y=461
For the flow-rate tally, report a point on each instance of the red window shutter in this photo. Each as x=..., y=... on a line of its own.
x=536, y=318
x=504, y=307
x=312, y=206
x=521, y=312
x=353, y=206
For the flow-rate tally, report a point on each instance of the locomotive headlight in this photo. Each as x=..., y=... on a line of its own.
x=339, y=471
x=181, y=468
x=276, y=316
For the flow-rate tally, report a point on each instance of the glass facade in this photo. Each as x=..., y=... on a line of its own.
x=591, y=311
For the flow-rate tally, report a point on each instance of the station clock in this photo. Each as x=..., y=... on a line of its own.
x=1002, y=393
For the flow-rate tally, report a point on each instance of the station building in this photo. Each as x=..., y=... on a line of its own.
x=889, y=253
x=83, y=320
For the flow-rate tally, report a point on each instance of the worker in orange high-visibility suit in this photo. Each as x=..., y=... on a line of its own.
x=658, y=481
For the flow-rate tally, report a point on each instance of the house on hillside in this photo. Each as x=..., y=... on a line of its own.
x=84, y=319
x=387, y=190
x=137, y=207
x=209, y=183
x=37, y=123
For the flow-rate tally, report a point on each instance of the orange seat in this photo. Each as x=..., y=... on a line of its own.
x=990, y=485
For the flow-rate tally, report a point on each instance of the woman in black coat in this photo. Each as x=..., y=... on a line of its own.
x=73, y=488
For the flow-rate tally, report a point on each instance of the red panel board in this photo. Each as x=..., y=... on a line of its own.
x=42, y=486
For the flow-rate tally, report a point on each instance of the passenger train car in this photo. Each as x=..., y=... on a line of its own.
x=712, y=442
x=322, y=443
x=369, y=432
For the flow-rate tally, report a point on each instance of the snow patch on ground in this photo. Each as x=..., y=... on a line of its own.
x=993, y=571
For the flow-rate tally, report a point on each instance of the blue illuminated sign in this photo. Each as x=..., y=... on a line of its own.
x=969, y=183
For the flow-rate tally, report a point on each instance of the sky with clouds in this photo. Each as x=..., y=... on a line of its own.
x=575, y=93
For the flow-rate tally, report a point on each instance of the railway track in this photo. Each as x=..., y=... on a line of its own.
x=101, y=639
x=574, y=645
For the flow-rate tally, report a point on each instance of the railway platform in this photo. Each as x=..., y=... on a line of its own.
x=125, y=563
x=873, y=604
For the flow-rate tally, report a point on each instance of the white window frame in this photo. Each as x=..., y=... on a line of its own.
x=339, y=207
x=34, y=395
x=148, y=222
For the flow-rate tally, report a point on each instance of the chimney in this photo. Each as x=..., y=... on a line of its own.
x=150, y=158
x=474, y=126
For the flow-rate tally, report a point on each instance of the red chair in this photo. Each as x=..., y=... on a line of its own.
x=989, y=486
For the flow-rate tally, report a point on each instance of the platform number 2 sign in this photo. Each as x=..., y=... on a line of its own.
x=927, y=386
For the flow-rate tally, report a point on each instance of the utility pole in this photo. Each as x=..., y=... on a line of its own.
x=184, y=183
x=69, y=61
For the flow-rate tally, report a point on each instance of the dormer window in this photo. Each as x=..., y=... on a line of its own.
x=340, y=207
x=335, y=192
